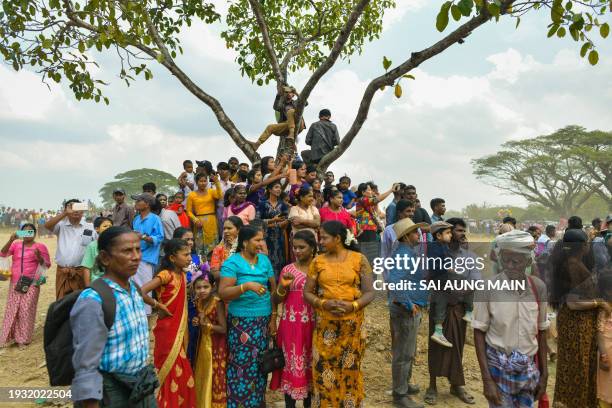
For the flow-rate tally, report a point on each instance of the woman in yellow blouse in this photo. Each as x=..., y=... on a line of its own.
x=201, y=210
x=339, y=286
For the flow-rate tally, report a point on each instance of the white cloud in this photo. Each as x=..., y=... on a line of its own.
x=23, y=96
x=393, y=16
x=202, y=41
x=509, y=65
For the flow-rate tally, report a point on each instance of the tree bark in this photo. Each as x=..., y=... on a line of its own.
x=387, y=79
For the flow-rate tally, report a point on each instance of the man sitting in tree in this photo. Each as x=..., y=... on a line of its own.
x=285, y=104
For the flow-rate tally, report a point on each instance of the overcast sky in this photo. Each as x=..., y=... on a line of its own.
x=502, y=84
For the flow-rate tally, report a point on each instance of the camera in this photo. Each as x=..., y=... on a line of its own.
x=25, y=234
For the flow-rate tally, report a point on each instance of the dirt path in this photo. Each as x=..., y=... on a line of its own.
x=23, y=368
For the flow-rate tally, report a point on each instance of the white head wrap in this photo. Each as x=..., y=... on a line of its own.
x=515, y=241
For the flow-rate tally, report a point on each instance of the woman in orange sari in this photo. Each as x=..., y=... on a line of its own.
x=173, y=368
x=231, y=226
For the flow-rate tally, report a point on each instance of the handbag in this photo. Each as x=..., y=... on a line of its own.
x=272, y=359
x=24, y=283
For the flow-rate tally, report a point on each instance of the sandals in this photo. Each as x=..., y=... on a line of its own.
x=460, y=393
x=431, y=396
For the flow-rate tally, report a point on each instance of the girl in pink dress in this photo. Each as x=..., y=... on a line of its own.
x=296, y=324
x=20, y=313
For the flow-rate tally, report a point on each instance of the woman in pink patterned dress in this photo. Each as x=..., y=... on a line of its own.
x=20, y=313
x=296, y=324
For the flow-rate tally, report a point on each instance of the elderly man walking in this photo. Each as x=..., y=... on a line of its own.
x=510, y=328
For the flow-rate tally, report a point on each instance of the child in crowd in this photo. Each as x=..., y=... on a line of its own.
x=244, y=167
x=604, y=340
x=179, y=208
x=170, y=285
x=438, y=253
x=91, y=270
x=187, y=179
x=438, y=208
x=211, y=354
x=296, y=325
x=348, y=196
x=242, y=177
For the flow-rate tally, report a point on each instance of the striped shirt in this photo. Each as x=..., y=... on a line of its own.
x=122, y=349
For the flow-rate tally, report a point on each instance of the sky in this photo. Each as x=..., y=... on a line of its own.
x=501, y=84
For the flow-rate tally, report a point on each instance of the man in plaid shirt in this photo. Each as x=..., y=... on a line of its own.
x=109, y=364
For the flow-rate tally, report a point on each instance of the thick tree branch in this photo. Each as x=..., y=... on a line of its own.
x=226, y=123
x=416, y=59
x=331, y=59
x=263, y=27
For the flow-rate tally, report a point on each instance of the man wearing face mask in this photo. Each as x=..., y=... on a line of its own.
x=285, y=105
x=73, y=236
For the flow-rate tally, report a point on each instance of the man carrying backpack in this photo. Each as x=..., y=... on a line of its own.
x=110, y=357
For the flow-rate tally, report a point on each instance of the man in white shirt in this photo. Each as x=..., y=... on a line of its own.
x=510, y=327
x=73, y=236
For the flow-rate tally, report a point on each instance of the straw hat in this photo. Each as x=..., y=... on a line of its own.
x=405, y=226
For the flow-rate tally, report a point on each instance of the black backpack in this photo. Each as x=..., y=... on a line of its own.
x=58, y=333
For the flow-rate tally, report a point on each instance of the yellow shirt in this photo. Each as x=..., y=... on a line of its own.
x=339, y=280
x=203, y=203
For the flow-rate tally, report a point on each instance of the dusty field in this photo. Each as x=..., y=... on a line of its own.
x=23, y=368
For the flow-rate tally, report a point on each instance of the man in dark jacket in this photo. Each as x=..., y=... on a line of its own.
x=322, y=137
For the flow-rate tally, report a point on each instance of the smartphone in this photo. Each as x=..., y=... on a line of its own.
x=79, y=207
x=25, y=234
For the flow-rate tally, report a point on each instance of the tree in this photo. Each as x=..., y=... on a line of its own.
x=545, y=170
x=54, y=37
x=592, y=151
x=132, y=181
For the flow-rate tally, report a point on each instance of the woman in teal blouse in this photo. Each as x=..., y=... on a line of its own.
x=247, y=280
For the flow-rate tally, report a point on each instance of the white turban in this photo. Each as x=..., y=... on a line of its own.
x=515, y=241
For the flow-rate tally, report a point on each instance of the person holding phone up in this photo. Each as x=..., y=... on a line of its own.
x=73, y=235
x=24, y=288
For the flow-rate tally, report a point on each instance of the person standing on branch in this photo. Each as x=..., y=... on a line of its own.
x=322, y=137
x=285, y=104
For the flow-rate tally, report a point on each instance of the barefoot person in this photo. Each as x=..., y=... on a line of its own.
x=510, y=329
x=339, y=287
x=296, y=325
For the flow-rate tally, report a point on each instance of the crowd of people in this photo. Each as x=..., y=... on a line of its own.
x=245, y=272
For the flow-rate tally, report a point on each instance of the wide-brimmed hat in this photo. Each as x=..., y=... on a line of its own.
x=405, y=226
x=439, y=226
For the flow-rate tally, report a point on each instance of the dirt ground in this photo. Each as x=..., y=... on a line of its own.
x=24, y=368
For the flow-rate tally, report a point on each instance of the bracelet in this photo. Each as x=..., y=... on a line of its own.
x=154, y=304
x=279, y=293
x=242, y=288
x=322, y=302
x=355, y=306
